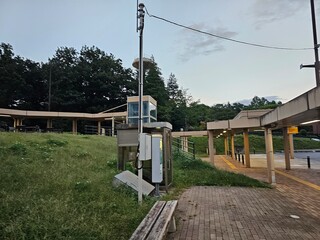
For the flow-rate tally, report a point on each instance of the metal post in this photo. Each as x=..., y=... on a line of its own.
x=140, y=123
x=308, y=161
x=315, y=41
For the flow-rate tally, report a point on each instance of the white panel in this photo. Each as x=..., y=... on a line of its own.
x=157, y=158
x=145, y=146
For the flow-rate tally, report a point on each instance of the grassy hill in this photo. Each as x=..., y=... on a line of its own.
x=58, y=186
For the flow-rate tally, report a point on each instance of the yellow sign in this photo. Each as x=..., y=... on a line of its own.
x=292, y=130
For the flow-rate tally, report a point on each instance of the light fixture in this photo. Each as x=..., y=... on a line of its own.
x=224, y=131
x=309, y=122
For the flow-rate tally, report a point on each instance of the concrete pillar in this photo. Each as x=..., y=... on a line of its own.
x=225, y=146
x=286, y=148
x=246, y=147
x=291, y=146
x=49, y=123
x=15, y=123
x=112, y=127
x=232, y=146
x=210, y=147
x=270, y=156
x=99, y=128
x=74, y=126
x=185, y=144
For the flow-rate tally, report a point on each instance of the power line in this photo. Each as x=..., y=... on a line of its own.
x=225, y=38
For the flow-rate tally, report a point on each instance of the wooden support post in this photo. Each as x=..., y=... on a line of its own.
x=225, y=146
x=246, y=147
x=49, y=123
x=74, y=126
x=232, y=146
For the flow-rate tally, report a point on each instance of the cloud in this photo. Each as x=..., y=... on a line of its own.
x=195, y=44
x=269, y=11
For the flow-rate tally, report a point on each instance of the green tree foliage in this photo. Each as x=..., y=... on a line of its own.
x=92, y=81
x=154, y=86
x=10, y=77
x=226, y=111
x=22, y=82
x=179, y=101
x=262, y=103
x=104, y=82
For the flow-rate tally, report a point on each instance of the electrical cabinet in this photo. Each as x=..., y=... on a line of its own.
x=157, y=159
x=144, y=146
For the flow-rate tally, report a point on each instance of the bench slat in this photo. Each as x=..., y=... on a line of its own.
x=160, y=228
x=147, y=223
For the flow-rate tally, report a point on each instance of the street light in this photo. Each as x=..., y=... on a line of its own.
x=140, y=16
x=316, y=46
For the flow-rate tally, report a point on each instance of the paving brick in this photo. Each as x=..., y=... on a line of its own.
x=251, y=213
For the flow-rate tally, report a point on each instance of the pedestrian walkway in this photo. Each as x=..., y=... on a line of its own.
x=291, y=210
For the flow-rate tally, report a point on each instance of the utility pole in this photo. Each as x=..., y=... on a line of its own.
x=140, y=14
x=316, y=46
x=315, y=41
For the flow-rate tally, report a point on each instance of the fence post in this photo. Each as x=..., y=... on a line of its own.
x=308, y=161
x=194, y=151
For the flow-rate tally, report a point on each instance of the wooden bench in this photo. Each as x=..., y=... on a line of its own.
x=158, y=222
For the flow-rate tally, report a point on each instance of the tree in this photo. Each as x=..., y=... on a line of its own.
x=11, y=80
x=172, y=87
x=154, y=86
x=66, y=94
x=105, y=83
x=262, y=103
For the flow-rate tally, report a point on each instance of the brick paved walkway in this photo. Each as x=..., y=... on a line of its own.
x=251, y=213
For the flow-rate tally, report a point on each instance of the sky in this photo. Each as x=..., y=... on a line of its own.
x=212, y=70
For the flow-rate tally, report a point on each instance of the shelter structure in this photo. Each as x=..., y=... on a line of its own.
x=304, y=109
x=150, y=104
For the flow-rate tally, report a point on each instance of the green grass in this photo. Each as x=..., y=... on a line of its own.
x=194, y=172
x=59, y=186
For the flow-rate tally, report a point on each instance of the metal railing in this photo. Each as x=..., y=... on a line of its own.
x=184, y=146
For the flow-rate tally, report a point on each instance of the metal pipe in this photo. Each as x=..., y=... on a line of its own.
x=140, y=123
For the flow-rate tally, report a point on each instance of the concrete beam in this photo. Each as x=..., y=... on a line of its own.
x=190, y=134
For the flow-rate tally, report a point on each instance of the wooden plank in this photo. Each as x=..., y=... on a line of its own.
x=160, y=228
x=148, y=222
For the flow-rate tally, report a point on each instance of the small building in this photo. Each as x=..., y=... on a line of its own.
x=149, y=110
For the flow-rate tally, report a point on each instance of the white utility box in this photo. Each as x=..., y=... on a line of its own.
x=157, y=158
x=144, y=146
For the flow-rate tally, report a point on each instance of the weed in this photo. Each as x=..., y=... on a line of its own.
x=56, y=143
x=18, y=148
